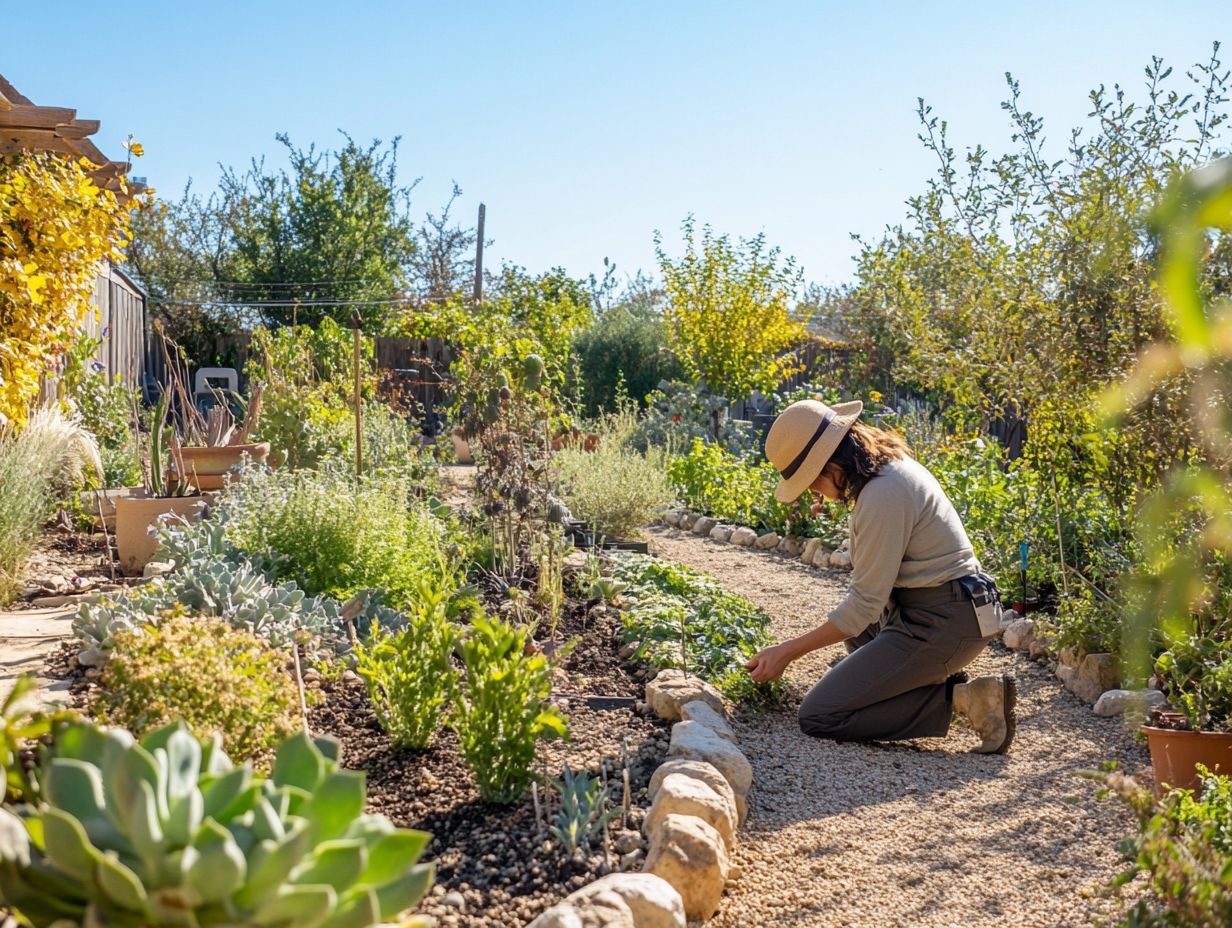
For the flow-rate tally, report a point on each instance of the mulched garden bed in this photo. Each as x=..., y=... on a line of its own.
x=495, y=865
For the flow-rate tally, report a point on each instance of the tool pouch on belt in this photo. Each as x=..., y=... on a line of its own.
x=985, y=598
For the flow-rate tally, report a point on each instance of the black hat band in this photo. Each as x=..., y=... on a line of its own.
x=790, y=470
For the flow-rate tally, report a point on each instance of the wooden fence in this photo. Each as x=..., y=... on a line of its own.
x=412, y=371
x=118, y=322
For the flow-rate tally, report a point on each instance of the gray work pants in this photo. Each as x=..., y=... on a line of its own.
x=892, y=683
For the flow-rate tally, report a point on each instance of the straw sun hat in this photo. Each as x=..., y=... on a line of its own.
x=803, y=438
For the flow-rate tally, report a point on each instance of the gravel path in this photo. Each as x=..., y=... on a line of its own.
x=917, y=833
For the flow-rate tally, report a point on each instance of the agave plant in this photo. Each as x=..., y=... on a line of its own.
x=168, y=832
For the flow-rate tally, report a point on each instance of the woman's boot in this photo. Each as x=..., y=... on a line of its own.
x=988, y=704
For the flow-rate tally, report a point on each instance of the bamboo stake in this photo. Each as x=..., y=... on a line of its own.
x=356, y=322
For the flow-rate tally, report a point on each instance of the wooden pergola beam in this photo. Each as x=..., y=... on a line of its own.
x=22, y=116
x=77, y=129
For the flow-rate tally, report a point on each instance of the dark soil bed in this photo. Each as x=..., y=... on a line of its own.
x=495, y=865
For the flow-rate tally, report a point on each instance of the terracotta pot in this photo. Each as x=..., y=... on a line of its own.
x=1175, y=754
x=214, y=462
x=134, y=516
x=461, y=447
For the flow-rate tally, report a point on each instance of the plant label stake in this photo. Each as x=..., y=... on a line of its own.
x=1022, y=573
x=356, y=323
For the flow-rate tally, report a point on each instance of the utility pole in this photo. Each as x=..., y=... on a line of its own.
x=479, y=260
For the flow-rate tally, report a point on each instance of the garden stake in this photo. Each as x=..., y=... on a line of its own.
x=299, y=684
x=1022, y=570
x=1056, y=506
x=539, y=821
x=624, y=776
x=604, y=799
x=98, y=499
x=356, y=322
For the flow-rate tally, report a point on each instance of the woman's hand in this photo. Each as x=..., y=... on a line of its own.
x=770, y=663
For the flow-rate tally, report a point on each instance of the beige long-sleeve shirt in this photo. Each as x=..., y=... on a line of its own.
x=904, y=532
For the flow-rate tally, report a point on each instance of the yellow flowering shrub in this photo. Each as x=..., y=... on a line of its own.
x=56, y=225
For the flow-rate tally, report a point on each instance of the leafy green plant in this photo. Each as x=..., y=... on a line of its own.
x=717, y=482
x=168, y=832
x=501, y=711
x=583, y=812
x=1182, y=849
x=335, y=535
x=410, y=677
x=23, y=722
x=607, y=589
x=678, y=412
x=727, y=311
x=683, y=618
x=217, y=679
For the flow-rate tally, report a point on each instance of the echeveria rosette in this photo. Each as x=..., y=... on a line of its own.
x=168, y=832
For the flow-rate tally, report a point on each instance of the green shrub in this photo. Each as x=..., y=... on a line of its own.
x=105, y=410
x=625, y=351
x=337, y=536
x=1182, y=848
x=717, y=482
x=683, y=618
x=168, y=832
x=500, y=714
x=218, y=680
x=410, y=678
x=615, y=488
x=48, y=458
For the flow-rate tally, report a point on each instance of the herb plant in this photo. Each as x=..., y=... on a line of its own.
x=218, y=680
x=501, y=712
x=411, y=680
x=682, y=618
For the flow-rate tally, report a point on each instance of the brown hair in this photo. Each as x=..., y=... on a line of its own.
x=861, y=454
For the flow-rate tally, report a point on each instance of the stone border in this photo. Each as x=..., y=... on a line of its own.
x=810, y=551
x=1093, y=678
x=699, y=798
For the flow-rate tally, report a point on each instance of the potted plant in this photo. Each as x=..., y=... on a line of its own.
x=137, y=513
x=211, y=444
x=1195, y=674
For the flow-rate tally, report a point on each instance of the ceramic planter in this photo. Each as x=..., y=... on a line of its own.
x=211, y=465
x=1175, y=754
x=134, y=515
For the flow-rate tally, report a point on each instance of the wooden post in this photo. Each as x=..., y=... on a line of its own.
x=479, y=258
x=356, y=322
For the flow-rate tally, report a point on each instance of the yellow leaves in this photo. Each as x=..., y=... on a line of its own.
x=56, y=226
x=35, y=284
x=135, y=148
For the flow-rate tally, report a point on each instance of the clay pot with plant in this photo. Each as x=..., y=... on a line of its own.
x=211, y=446
x=1195, y=674
x=137, y=514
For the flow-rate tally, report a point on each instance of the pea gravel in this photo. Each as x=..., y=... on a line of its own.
x=917, y=833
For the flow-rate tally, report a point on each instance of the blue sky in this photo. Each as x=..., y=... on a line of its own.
x=586, y=126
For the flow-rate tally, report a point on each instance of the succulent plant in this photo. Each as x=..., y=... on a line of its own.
x=168, y=832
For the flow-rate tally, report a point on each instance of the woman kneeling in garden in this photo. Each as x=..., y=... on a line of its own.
x=910, y=619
